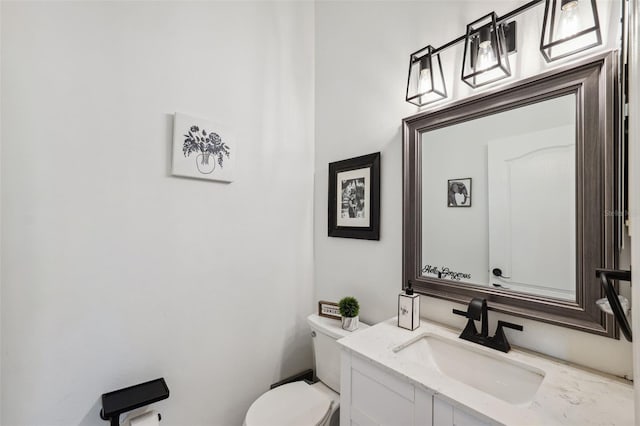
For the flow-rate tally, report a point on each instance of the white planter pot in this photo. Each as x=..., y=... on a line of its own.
x=350, y=324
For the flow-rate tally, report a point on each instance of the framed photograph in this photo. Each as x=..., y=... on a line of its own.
x=459, y=192
x=202, y=149
x=354, y=198
x=329, y=310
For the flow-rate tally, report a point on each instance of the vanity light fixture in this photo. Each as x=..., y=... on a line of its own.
x=485, y=57
x=426, y=80
x=569, y=27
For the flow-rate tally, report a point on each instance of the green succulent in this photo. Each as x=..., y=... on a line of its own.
x=349, y=307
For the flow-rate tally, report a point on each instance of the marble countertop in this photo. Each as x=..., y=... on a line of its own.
x=568, y=394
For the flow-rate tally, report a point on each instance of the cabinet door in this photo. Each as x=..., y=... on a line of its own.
x=372, y=400
x=372, y=396
x=444, y=414
x=423, y=408
x=462, y=418
x=375, y=397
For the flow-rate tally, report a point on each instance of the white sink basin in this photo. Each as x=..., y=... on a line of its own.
x=480, y=368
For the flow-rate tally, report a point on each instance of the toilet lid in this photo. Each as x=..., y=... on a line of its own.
x=293, y=404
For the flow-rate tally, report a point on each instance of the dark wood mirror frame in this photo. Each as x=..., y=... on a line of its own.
x=595, y=84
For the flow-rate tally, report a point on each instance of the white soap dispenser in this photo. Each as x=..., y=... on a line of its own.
x=409, y=309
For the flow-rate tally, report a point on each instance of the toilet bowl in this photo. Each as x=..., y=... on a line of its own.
x=294, y=404
x=300, y=403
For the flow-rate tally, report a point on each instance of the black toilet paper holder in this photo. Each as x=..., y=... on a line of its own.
x=126, y=399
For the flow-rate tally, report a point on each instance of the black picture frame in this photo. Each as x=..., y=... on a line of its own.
x=467, y=188
x=336, y=223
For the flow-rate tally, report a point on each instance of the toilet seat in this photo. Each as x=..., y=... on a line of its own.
x=293, y=404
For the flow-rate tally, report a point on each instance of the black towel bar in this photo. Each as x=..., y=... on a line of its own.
x=612, y=296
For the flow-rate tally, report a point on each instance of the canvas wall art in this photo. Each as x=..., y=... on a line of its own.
x=202, y=149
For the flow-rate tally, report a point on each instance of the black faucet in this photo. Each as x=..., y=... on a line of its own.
x=477, y=311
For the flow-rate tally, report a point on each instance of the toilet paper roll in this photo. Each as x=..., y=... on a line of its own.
x=150, y=418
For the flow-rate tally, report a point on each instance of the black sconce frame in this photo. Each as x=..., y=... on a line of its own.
x=426, y=58
x=550, y=12
x=474, y=37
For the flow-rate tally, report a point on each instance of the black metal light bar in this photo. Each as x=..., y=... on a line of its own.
x=488, y=45
x=499, y=20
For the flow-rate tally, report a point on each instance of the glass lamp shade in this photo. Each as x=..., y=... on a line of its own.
x=426, y=80
x=570, y=26
x=485, y=52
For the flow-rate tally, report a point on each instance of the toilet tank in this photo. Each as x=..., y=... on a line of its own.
x=326, y=332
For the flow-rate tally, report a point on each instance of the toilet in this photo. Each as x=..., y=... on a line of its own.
x=302, y=404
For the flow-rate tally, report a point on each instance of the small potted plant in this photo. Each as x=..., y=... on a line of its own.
x=349, y=309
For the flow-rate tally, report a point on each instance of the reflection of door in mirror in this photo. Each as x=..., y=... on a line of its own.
x=532, y=212
x=523, y=217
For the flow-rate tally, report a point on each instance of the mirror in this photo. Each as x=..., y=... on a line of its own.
x=499, y=191
x=506, y=197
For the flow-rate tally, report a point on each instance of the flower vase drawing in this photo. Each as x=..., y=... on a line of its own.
x=209, y=145
x=202, y=149
x=204, y=165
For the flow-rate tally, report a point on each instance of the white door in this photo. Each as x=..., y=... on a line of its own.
x=532, y=212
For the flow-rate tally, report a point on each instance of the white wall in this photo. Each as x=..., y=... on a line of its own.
x=362, y=51
x=114, y=272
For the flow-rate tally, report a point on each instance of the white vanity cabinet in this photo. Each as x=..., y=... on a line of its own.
x=430, y=377
x=370, y=396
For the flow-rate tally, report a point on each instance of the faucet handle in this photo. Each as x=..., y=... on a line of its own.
x=461, y=313
x=499, y=340
x=510, y=325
